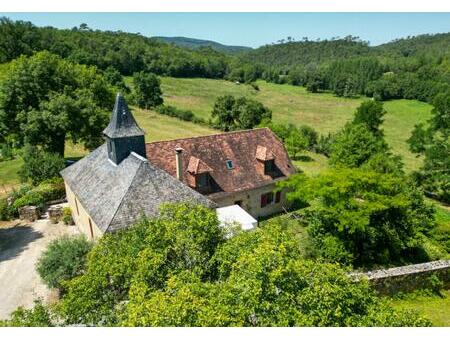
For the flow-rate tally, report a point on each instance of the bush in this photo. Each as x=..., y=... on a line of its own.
x=185, y=115
x=67, y=216
x=6, y=152
x=4, y=210
x=51, y=190
x=38, y=316
x=63, y=259
x=324, y=144
x=40, y=165
x=309, y=134
x=30, y=198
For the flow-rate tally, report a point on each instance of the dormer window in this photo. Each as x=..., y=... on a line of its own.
x=269, y=167
x=229, y=164
x=202, y=181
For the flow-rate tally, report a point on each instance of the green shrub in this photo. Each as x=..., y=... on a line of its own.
x=172, y=111
x=4, y=210
x=51, y=189
x=38, y=316
x=63, y=259
x=30, y=198
x=67, y=216
x=40, y=165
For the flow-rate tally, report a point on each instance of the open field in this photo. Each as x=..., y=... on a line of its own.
x=292, y=104
x=435, y=308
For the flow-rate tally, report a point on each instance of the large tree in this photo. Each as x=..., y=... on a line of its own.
x=45, y=100
x=232, y=113
x=361, y=217
x=147, y=90
x=434, y=142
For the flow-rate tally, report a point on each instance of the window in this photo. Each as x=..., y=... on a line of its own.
x=266, y=199
x=269, y=166
x=202, y=181
x=270, y=198
x=229, y=164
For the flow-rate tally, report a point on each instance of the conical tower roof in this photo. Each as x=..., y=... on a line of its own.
x=122, y=123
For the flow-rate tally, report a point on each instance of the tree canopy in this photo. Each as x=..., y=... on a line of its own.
x=45, y=99
x=232, y=113
x=362, y=217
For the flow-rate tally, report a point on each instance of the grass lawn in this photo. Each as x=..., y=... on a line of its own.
x=435, y=308
x=311, y=163
x=9, y=176
x=292, y=104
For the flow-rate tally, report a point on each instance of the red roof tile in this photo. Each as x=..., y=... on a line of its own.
x=244, y=148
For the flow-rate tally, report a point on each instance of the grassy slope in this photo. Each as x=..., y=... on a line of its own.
x=437, y=309
x=291, y=104
x=156, y=126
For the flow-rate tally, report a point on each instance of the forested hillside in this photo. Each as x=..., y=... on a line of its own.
x=198, y=43
x=126, y=52
x=411, y=68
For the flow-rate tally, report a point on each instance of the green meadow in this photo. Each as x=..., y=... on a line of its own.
x=292, y=104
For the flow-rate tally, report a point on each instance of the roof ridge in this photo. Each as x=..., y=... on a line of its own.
x=126, y=192
x=211, y=135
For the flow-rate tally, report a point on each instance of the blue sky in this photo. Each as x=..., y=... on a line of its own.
x=253, y=29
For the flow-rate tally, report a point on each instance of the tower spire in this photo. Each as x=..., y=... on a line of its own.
x=122, y=123
x=123, y=135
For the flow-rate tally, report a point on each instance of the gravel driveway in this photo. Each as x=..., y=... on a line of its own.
x=20, y=248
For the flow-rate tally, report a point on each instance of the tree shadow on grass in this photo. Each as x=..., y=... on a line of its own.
x=15, y=239
x=304, y=158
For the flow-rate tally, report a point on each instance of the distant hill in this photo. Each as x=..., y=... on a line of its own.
x=305, y=52
x=197, y=43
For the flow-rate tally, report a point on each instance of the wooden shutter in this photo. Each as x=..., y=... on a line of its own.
x=278, y=197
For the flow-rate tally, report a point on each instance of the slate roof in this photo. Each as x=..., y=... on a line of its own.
x=115, y=196
x=243, y=148
x=122, y=123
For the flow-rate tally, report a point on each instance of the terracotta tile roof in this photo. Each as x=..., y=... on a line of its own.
x=263, y=154
x=246, y=149
x=197, y=166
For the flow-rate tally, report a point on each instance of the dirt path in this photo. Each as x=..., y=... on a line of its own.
x=20, y=247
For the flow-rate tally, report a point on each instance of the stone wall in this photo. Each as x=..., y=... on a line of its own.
x=406, y=278
x=81, y=217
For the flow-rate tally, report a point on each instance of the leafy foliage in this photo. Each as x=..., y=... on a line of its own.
x=354, y=145
x=38, y=316
x=183, y=238
x=45, y=99
x=147, y=90
x=363, y=217
x=178, y=270
x=434, y=143
x=238, y=113
x=40, y=165
x=63, y=259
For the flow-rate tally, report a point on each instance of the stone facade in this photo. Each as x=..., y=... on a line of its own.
x=81, y=218
x=250, y=201
x=406, y=278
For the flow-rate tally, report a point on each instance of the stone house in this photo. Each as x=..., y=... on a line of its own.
x=125, y=178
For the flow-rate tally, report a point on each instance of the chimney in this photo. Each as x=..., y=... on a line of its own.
x=179, y=162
